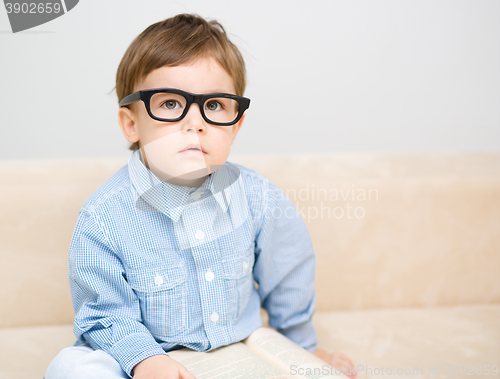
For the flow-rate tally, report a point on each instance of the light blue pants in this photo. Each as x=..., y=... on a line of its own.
x=83, y=362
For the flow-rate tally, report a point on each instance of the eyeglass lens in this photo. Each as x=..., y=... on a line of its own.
x=170, y=106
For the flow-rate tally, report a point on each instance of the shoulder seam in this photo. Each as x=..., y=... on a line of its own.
x=93, y=204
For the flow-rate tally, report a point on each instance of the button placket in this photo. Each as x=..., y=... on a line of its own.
x=209, y=276
x=199, y=235
x=214, y=317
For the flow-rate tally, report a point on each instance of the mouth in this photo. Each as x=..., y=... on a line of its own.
x=193, y=149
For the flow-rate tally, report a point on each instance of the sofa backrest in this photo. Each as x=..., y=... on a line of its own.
x=39, y=204
x=397, y=230
x=389, y=230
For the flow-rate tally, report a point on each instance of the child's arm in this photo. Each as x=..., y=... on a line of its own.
x=285, y=268
x=285, y=272
x=107, y=310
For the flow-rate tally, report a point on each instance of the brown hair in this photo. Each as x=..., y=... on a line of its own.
x=173, y=42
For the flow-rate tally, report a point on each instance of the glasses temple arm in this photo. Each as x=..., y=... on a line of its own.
x=130, y=98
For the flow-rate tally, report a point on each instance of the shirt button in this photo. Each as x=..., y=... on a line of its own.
x=214, y=317
x=158, y=280
x=209, y=276
x=199, y=235
x=195, y=196
x=245, y=266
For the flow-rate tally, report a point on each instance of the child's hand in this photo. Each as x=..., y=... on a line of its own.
x=338, y=360
x=161, y=367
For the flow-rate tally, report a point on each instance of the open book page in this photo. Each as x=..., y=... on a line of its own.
x=290, y=357
x=235, y=361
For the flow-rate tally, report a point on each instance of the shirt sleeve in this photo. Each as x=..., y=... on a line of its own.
x=107, y=311
x=285, y=268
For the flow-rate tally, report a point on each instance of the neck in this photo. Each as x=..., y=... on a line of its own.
x=187, y=182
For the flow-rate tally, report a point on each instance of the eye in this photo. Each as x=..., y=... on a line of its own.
x=170, y=104
x=213, y=105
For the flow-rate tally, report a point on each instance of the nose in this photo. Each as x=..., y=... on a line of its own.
x=193, y=121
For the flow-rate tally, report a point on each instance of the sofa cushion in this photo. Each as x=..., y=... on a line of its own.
x=25, y=353
x=412, y=338
x=415, y=340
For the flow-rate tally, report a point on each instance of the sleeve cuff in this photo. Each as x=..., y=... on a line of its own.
x=133, y=349
x=302, y=334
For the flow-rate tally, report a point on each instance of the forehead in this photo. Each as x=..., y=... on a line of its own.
x=204, y=75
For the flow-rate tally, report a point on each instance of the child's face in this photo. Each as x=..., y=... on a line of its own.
x=163, y=144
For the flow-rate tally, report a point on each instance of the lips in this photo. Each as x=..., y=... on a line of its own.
x=193, y=147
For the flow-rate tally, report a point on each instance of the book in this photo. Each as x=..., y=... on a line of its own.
x=265, y=354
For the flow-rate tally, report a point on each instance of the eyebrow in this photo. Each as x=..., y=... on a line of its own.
x=213, y=91
x=219, y=91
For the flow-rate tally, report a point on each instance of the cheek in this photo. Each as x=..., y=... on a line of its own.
x=221, y=147
x=151, y=131
x=224, y=137
x=163, y=145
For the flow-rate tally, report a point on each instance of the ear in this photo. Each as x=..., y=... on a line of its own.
x=128, y=124
x=236, y=127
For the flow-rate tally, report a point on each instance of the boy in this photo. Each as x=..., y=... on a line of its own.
x=165, y=254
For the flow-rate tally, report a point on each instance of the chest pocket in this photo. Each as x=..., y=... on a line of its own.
x=162, y=297
x=238, y=280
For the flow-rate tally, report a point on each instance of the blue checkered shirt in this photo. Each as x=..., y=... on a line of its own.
x=155, y=266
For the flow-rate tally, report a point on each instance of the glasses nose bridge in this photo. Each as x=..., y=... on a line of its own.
x=195, y=99
x=198, y=99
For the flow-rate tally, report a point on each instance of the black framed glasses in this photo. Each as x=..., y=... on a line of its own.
x=171, y=105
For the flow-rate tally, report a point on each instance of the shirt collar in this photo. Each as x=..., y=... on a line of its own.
x=171, y=199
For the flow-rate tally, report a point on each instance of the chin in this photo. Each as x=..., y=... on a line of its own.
x=199, y=173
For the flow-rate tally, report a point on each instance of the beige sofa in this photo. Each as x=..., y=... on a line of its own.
x=408, y=252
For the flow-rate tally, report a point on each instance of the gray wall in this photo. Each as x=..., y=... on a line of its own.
x=336, y=76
